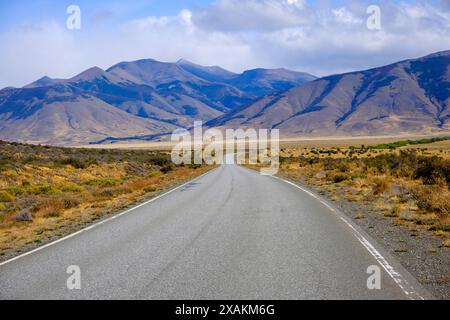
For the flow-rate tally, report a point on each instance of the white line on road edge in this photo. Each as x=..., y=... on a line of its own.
x=397, y=277
x=104, y=221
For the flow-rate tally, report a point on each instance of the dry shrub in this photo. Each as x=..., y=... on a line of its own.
x=381, y=185
x=150, y=189
x=23, y=216
x=337, y=177
x=432, y=199
x=6, y=197
x=106, y=193
x=52, y=214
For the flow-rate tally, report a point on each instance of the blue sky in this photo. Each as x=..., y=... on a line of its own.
x=321, y=37
x=25, y=11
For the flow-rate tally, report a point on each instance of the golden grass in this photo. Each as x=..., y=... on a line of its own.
x=386, y=180
x=42, y=198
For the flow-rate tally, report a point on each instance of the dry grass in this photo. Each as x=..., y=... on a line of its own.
x=410, y=185
x=48, y=192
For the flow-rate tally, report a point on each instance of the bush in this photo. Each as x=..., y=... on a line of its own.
x=105, y=182
x=107, y=193
x=432, y=170
x=45, y=189
x=70, y=187
x=71, y=202
x=338, y=177
x=52, y=214
x=23, y=216
x=6, y=197
x=16, y=191
x=78, y=163
x=432, y=199
x=166, y=168
x=150, y=189
x=381, y=186
x=159, y=160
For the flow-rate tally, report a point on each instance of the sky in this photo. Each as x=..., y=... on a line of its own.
x=321, y=37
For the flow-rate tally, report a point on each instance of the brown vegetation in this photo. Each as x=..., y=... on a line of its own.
x=411, y=186
x=46, y=192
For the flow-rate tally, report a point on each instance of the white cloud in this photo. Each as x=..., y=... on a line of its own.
x=343, y=15
x=236, y=34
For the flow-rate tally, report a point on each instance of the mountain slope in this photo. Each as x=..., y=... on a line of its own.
x=260, y=82
x=144, y=97
x=256, y=82
x=61, y=115
x=411, y=96
x=213, y=74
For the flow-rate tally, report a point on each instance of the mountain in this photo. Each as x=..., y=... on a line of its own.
x=408, y=97
x=260, y=82
x=140, y=98
x=213, y=74
x=63, y=115
x=255, y=83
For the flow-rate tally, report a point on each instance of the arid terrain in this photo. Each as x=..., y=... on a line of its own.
x=48, y=192
x=398, y=191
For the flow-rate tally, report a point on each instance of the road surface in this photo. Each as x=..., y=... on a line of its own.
x=231, y=234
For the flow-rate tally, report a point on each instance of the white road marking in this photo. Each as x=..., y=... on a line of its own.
x=396, y=276
x=103, y=221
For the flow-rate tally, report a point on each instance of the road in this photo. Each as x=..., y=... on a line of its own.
x=231, y=234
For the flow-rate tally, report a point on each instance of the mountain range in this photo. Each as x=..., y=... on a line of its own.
x=408, y=97
x=145, y=99
x=139, y=98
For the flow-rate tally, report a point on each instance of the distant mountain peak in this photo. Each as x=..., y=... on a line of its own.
x=42, y=82
x=89, y=74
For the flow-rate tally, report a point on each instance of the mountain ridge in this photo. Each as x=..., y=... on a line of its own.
x=403, y=97
x=157, y=96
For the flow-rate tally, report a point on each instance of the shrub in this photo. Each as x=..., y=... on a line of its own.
x=150, y=189
x=70, y=202
x=433, y=169
x=432, y=198
x=159, y=160
x=70, y=187
x=166, y=168
x=45, y=189
x=16, y=191
x=338, y=177
x=105, y=182
x=381, y=186
x=107, y=193
x=52, y=214
x=23, y=216
x=6, y=197
x=78, y=163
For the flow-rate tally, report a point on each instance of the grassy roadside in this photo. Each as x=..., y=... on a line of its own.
x=412, y=191
x=400, y=196
x=411, y=187
x=48, y=192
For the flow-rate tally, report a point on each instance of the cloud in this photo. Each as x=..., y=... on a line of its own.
x=252, y=15
x=321, y=38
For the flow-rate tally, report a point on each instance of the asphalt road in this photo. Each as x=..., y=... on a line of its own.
x=231, y=234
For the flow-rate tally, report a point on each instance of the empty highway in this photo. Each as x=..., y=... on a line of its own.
x=230, y=234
